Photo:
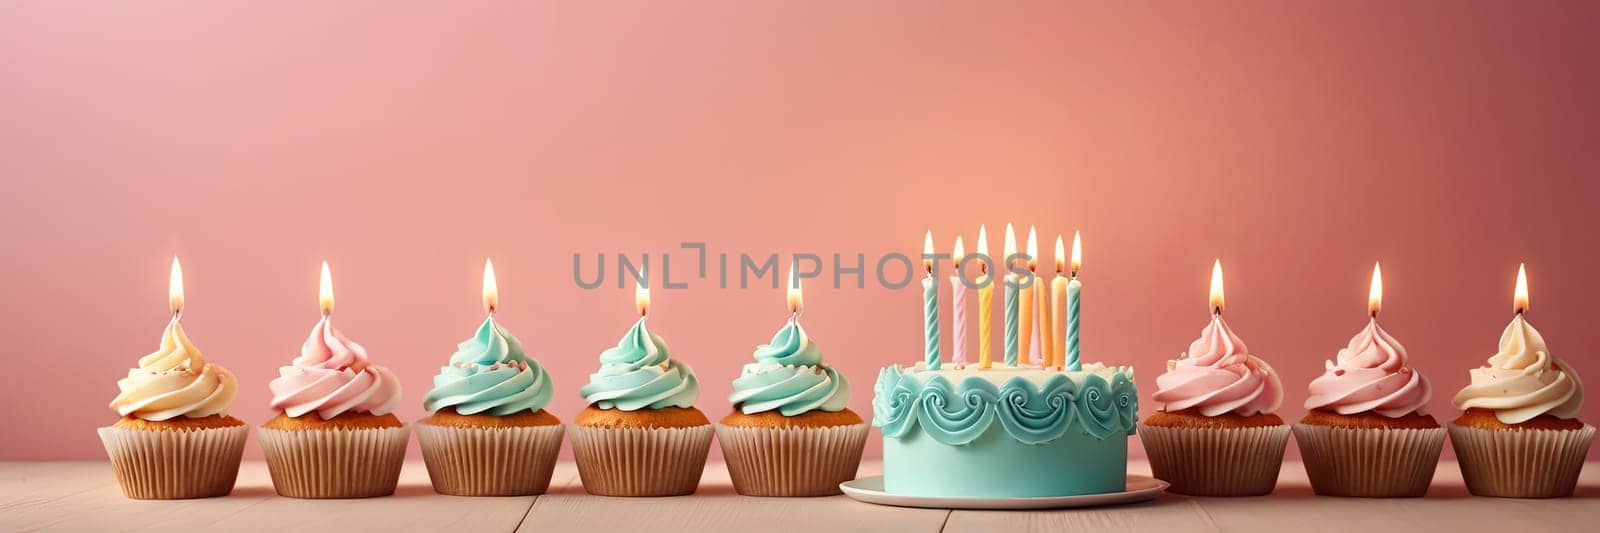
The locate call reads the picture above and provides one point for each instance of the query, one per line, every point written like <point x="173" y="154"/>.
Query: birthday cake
<point x="1005" y="432"/>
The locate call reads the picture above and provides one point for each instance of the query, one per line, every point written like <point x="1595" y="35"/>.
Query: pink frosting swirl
<point x="1371" y="375"/>
<point x="332" y="376"/>
<point x="1218" y="375"/>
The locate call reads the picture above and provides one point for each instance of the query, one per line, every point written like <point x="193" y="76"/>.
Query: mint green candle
<point x="1011" y="319"/>
<point x="1073" y="290"/>
<point x="930" y="322"/>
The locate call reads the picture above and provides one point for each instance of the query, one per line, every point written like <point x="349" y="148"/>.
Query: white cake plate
<point x="870" y="489"/>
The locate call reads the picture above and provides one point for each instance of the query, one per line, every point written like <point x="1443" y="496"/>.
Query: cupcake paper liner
<point x="1521" y="463"/>
<point x="1216" y="462"/>
<point x="1369" y="463"/>
<point x="490" y="461"/>
<point x="334" y="463"/>
<point x="640" y="461"/>
<point x="171" y="465"/>
<point x="802" y="461"/>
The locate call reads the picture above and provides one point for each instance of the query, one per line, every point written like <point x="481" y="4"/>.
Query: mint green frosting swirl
<point x="958" y="413"/>
<point x="490" y="374"/>
<point x="1037" y="416"/>
<point x="1096" y="408"/>
<point x="956" y="417"/>
<point x="639" y="373"/>
<point x="1127" y="398"/>
<point x="789" y="376"/>
<point x="894" y="402"/>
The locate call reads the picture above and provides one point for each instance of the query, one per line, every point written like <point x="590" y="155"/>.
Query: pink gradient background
<point x="1298" y="142"/>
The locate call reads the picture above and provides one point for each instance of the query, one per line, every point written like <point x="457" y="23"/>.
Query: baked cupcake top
<point x="788" y="376"/>
<point x="1218" y="375"/>
<point x="1522" y="380"/>
<point x="1371" y="374"/>
<point x="332" y="376"/>
<point x="175" y="381"/>
<point x="639" y="373"/>
<point x="490" y="374"/>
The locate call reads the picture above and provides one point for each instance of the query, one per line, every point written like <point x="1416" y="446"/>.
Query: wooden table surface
<point x="82" y="496"/>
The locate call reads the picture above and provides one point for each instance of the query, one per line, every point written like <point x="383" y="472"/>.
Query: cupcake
<point x="1214" y="433"/>
<point x="791" y="433"/>
<point x="1366" y="433"/>
<point x="335" y="435"/>
<point x="1519" y="436"/>
<point x="175" y="439"/>
<point x="489" y="434"/>
<point x="640" y="434"/>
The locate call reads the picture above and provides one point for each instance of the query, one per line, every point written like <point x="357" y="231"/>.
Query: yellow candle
<point x="985" y="301"/>
<point x="1025" y="301"/>
<point x="985" y="306"/>
<point x="1058" y="306"/>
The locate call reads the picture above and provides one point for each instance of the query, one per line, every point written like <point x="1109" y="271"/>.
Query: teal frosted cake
<point x="1011" y="432"/>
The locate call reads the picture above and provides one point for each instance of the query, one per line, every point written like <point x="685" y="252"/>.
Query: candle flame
<point x="1216" y="288"/>
<point x="927" y="251"/>
<point x="1033" y="248"/>
<point x="796" y="302"/>
<point x="960" y="252"/>
<point x="1375" y="296"/>
<point x="491" y="289"/>
<point x="1077" y="253"/>
<point x="1520" y="298"/>
<point x="175" y="287"/>
<point x="1061" y="256"/>
<point x="1010" y="245"/>
<point x="641" y="298"/>
<point x="983" y="248"/>
<point x="325" y="291"/>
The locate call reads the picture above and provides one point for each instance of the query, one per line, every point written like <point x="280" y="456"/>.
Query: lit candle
<point x="1058" y="309"/>
<point x="1012" y="280"/>
<point x="958" y="308"/>
<point x="325" y="291"/>
<point x="1519" y="299"/>
<point x="1375" y="294"/>
<point x="491" y="290"/>
<point x="796" y="303"/>
<point x="641" y="298"/>
<point x="1074" y="293"/>
<point x="1025" y="308"/>
<point x="985" y="300"/>
<point x="1217" y="304"/>
<point x="175" y="289"/>
<point x="930" y="306"/>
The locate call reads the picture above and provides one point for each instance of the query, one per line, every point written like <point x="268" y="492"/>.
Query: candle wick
<point x="1216" y="311"/>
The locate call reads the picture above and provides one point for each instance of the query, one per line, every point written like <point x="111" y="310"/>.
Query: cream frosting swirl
<point x="332" y="376"/>
<point x="1371" y="374"/>
<point x="789" y="376"/>
<point x="640" y="373"/>
<point x="1218" y="375"/>
<point x="174" y="381"/>
<point x="1522" y="380"/>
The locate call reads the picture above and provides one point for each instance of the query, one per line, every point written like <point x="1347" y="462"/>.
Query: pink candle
<point x="958" y="309"/>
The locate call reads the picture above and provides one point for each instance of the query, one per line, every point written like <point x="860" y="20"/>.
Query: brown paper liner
<point x="1216" y="461"/>
<point x="1369" y="462"/>
<point x="1521" y="463"/>
<point x="640" y="461"/>
<point x="334" y="463"/>
<point x="171" y="465"/>
<point x="490" y="461"/>
<point x="798" y="461"/>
